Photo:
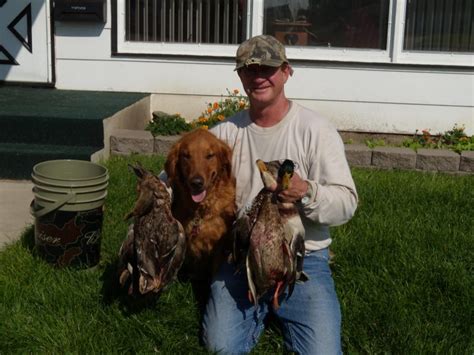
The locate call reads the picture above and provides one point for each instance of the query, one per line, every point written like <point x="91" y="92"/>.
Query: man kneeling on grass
<point x="275" y="128"/>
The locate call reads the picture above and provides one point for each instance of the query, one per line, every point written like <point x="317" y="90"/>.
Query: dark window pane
<point x="328" y="23"/>
<point x="439" y="25"/>
<point x="189" y="21"/>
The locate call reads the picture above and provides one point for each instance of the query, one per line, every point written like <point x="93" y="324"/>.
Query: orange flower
<point x="202" y="119"/>
<point x="215" y="106"/>
<point x="209" y="110"/>
<point x="221" y="117"/>
<point x="236" y="91"/>
<point x="204" y="127"/>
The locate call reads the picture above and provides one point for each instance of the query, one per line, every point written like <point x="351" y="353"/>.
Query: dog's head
<point x="196" y="163"/>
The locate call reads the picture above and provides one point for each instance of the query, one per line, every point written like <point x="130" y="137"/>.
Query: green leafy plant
<point x="163" y="124"/>
<point x="219" y="111"/>
<point x="166" y="125"/>
<point x="455" y="139"/>
<point x="372" y="143"/>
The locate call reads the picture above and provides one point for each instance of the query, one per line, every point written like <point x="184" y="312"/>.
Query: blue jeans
<point x="310" y="318"/>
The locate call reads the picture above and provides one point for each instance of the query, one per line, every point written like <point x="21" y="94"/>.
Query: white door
<point x="25" y="41"/>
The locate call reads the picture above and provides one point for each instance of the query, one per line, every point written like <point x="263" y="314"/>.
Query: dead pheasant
<point x="271" y="236"/>
<point x="154" y="249"/>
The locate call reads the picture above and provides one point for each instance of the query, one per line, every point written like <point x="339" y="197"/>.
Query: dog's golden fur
<point x="200" y="164"/>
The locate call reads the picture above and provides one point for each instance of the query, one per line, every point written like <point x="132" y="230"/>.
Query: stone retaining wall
<point x="125" y="142"/>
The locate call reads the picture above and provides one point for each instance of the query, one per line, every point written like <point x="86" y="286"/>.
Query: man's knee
<point x="219" y="342"/>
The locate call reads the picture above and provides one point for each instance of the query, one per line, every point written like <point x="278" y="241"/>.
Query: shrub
<point x="455" y="139"/>
<point x="166" y="125"/>
<point x="163" y="124"/>
<point x="372" y="143"/>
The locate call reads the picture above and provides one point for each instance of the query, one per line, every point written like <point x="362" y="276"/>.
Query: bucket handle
<point x="45" y="210"/>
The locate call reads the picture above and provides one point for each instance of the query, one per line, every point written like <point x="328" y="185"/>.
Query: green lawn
<point x="403" y="272"/>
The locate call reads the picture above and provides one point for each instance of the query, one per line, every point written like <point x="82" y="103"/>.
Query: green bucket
<point x="68" y="208"/>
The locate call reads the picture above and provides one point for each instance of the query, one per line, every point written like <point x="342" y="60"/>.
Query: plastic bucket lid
<point x="69" y="172"/>
<point x="68" y="185"/>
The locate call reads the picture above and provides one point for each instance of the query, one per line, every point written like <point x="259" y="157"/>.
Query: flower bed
<point x="454" y="139"/>
<point x="451" y="151"/>
<point x="125" y="142"/>
<point x="163" y="124"/>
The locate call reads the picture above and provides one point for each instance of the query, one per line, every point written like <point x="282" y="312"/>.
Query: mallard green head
<point x="285" y="172"/>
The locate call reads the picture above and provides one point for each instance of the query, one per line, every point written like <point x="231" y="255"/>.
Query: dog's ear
<point x="225" y="155"/>
<point x="171" y="163"/>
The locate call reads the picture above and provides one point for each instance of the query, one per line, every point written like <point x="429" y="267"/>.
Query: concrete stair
<point x="39" y="124"/>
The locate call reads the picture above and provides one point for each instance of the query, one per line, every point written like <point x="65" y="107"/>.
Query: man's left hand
<point x="295" y="192"/>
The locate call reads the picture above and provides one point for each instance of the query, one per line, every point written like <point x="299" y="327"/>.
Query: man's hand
<point x="295" y="192"/>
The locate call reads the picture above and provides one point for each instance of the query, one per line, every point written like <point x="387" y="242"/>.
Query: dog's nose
<point x="197" y="183"/>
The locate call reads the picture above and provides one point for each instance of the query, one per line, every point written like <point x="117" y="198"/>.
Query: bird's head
<point x="285" y="172"/>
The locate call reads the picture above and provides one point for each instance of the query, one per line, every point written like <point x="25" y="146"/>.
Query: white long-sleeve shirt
<point x="314" y="144"/>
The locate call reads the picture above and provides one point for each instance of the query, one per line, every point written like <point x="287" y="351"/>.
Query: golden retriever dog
<point x="199" y="171"/>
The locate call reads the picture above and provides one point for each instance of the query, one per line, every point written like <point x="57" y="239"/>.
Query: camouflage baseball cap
<point x="262" y="50"/>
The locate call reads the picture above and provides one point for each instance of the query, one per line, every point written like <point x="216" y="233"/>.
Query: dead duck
<point x="154" y="249"/>
<point x="270" y="237"/>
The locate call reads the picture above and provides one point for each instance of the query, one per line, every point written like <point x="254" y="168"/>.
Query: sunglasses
<point x="258" y="70"/>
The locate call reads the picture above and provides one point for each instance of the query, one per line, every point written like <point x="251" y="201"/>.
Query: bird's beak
<point x="261" y="166"/>
<point x="268" y="180"/>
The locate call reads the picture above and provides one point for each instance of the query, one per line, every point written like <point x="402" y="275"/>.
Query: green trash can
<point x="68" y="208"/>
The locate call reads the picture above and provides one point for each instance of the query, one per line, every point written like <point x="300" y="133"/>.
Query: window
<point x="182" y="27"/>
<point x="188" y="21"/>
<point x="323" y="23"/>
<point x="439" y="32"/>
<point x="439" y="26"/>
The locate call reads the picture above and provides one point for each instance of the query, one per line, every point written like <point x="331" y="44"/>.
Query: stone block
<point x="358" y="155"/>
<point x="437" y="160"/>
<point x="393" y="157"/>
<point x="467" y="161"/>
<point x="127" y="141"/>
<point x="163" y="144"/>
<point x="122" y="154"/>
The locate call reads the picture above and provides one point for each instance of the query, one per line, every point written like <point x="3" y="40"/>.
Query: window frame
<point x="393" y="54"/>
<point x="401" y="56"/>
<point x="166" y="48"/>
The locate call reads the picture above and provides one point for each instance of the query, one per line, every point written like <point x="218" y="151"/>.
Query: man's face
<point x="264" y="84"/>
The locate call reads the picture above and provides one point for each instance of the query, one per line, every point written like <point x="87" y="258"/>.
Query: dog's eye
<point x="210" y="155"/>
<point x="185" y="156"/>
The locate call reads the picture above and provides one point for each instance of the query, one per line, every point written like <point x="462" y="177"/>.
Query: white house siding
<point x="357" y="97"/>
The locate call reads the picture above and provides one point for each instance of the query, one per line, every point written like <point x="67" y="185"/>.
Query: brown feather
<point x="155" y="247"/>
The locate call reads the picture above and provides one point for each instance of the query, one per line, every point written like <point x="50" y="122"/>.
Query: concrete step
<point x="17" y="159"/>
<point x="47" y="130"/>
<point x="39" y="124"/>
